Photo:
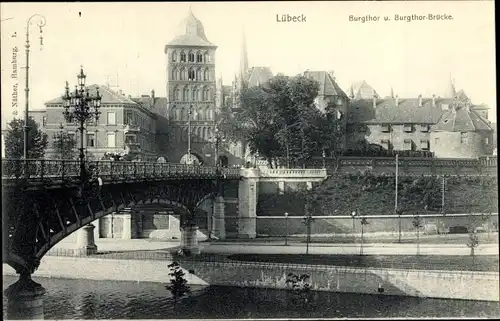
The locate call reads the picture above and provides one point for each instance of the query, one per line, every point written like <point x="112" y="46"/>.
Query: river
<point x="86" y="299"/>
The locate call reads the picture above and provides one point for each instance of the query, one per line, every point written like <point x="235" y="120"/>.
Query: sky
<point x="123" y="43"/>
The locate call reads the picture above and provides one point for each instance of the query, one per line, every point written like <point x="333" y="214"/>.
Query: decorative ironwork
<point x="111" y="171"/>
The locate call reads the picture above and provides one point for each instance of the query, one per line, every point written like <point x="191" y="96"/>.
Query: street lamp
<point x="41" y="22"/>
<point x="286" y="228"/>
<point x="323" y="155"/>
<point x="353" y="215"/>
<point x="80" y="106"/>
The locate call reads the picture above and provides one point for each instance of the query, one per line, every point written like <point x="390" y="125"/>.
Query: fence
<point x="108" y="170"/>
<point x="339" y="262"/>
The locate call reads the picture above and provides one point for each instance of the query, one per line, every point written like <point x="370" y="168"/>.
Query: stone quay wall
<point x="465" y="285"/>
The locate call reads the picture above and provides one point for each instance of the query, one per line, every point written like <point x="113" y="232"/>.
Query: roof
<point x="109" y="96"/>
<point x="190" y="32"/>
<point x="257" y="76"/>
<point x="327" y="84"/>
<point x="406" y="111"/>
<point x="158" y="106"/>
<point x="361" y="90"/>
<point x="462" y="119"/>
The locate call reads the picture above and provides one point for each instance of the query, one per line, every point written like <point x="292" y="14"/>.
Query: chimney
<point x="374" y="101"/>
<point x="433" y="100"/>
<point x="419" y="100"/>
<point x="397" y="100"/>
<point x="153" y="94"/>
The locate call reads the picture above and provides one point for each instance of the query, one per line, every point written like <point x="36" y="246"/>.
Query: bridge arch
<point x="60" y="212"/>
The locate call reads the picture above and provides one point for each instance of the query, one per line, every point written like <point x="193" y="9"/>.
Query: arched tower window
<point x="191" y="56"/>
<point x="208" y="113"/>
<point x="196" y="94"/>
<point x="206" y="57"/>
<point x="183" y="56"/>
<point x="176" y="94"/>
<point x="205" y="75"/>
<point x="206" y="93"/>
<point x="204" y="133"/>
<point x="191" y="74"/>
<point x="182" y="74"/>
<point x="177" y="76"/>
<point x="185" y="94"/>
<point x="173" y="113"/>
<point x="194" y="97"/>
<point x="178" y="113"/>
<point x="184" y="114"/>
<point x="198" y="74"/>
<point x="174" y="56"/>
<point x="199" y="57"/>
<point x="174" y="74"/>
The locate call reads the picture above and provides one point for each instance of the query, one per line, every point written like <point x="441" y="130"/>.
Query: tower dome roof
<point x="190" y="32"/>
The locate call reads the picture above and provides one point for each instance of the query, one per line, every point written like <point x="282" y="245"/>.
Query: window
<point x="191" y="57"/>
<point x="206" y="57"/>
<point x="111" y="118"/>
<point x="191" y="74"/>
<point x="205" y="75"/>
<point x="174" y="56"/>
<point x="174" y="74"/>
<point x="194" y="96"/>
<point x="183" y="56"/>
<point x="91" y="140"/>
<point x="44" y="121"/>
<point x="176" y="94"/>
<point x="463" y="138"/>
<point x="424" y="144"/>
<point x="128" y="118"/>
<point x="205" y="94"/>
<point x="199" y="57"/>
<point x="408" y="128"/>
<point x="486" y="140"/>
<point x="183" y="74"/>
<point x="385" y="143"/>
<point x="185" y="94"/>
<point x="111" y="142"/>
<point x="424" y="128"/>
<point x="198" y="74"/>
<point x="408" y="144"/>
<point x="130" y="139"/>
<point x="436" y="141"/>
<point x="385" y="128"/>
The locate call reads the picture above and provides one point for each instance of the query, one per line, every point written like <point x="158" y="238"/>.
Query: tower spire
<point x="450" y="91"/>
<point x="392" y="92"/>
<point x="351" y="92"/>
<point x="244" y="55"/>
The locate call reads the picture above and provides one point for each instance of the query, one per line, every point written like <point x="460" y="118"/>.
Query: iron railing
<point x="110" y="170"/>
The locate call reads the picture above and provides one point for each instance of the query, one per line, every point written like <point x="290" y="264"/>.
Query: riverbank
<point x="466" y="285"/>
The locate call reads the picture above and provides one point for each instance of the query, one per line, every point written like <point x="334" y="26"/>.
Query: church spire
<point x="450" y="91"/>
<point x="244" y="55"/>
<point x="351" y="92"/>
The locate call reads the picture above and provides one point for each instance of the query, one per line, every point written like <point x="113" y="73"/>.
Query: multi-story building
<point x="124" y="127"/>
<point x="414" y="124"/>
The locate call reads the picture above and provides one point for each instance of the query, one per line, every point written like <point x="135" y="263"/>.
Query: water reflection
<point x="85" y="299"/>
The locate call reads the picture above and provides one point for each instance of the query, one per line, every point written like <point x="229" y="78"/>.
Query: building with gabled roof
<point x="124" y="127"/>
<point x="395" y="123"/>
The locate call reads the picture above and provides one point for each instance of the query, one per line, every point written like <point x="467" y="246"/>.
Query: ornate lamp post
<point x="286" y="228"/>
<point x="79" y="105"/>
<point x="40" y="21"/>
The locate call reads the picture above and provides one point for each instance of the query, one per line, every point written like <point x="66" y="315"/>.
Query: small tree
<point x="473" y="242"/>
<point x="300" y="286"/>
<point x="14" y="140"/>
<point x="417" y="224"/>
<point x="64" y="145"/>
<point x="364" y="222"/>
<point x="178" y="284"/>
